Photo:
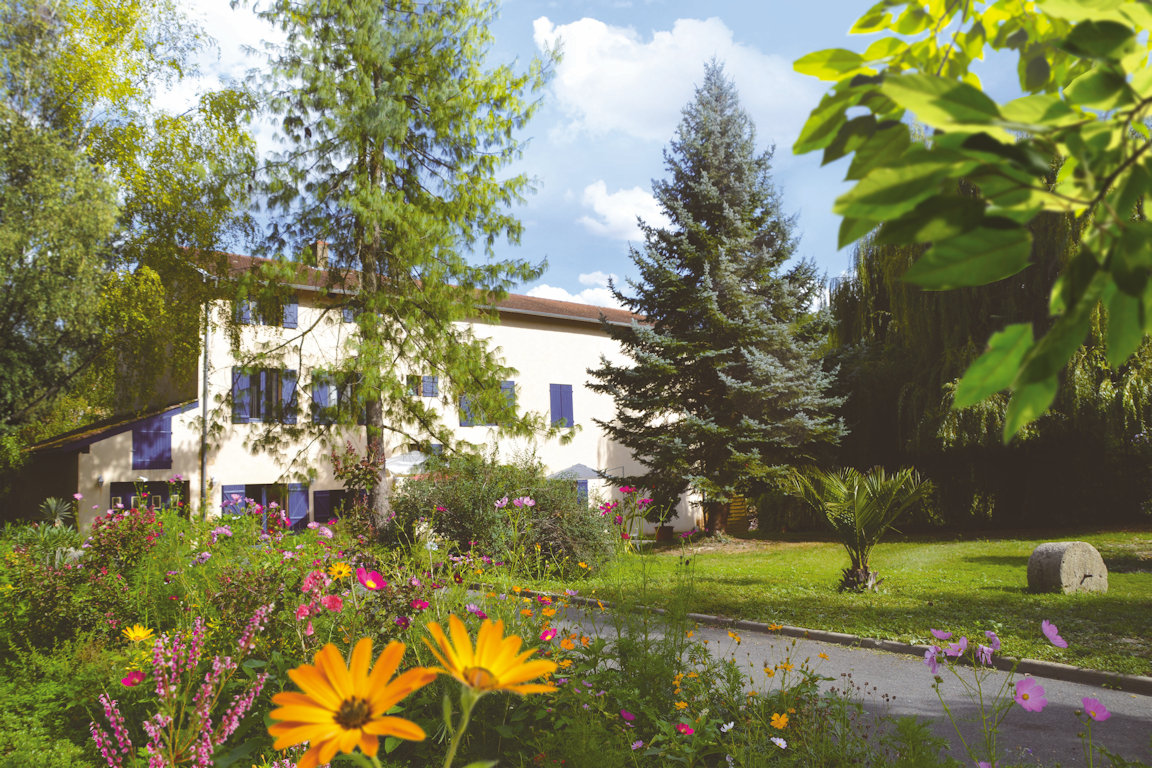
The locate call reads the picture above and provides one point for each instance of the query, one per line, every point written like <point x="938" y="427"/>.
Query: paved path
<point x="1049" y="737"/>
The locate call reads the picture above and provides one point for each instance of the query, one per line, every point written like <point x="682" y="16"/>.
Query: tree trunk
<point x="716" y="516"/>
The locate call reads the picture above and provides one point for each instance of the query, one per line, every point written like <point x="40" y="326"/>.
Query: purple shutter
<point x="321" y="399"/>
<point x="428" y="386"/>
<point x="241" y="396"/>
<point x="152" y="443"/>
<point x="297" y="504"/>
<point x="288" y="404"/>
<point x="566" y="405"/>
<point x="466" y="418"/>
<point x="291" y="313"/>
<point x="232" y="499"/>
<point x="556" y="402"/>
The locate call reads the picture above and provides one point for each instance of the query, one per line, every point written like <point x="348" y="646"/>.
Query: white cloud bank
<point x="615" y="212"/>
<point x="596" y="293"/>
<point x="613" y="81"/>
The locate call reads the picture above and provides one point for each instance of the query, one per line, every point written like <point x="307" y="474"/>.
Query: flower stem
<point x="468" y="700"/>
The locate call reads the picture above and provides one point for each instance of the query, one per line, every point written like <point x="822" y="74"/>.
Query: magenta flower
<point x="627" y="489"/>
<point x="547" y="635"/>
<point x="957" y="649"/>
<point x="625" y="536"/>
<point x="419" y="605"/>
<point x="332" y="603"/>
<point x="136" y="677"/>
<point x="1095" y="710"/>
<point x="1030" y="696"/>
<point x="932" y="658"/>
<point x="685" y="729"/>
<point x="77" y="496"/>
<point x="403" y="622"/>
<point x="940" y="634"/>
<point x="370" y="579"/>
<point x="627" y="715"/>
<point x="302" y="612"/>
<point x="1053" y="634"/>
<point x="644" y="502"/>
<point x="994" y="640"/>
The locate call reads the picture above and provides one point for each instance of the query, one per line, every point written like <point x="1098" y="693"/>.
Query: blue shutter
<point x="241" y="396"/>
<point x="152" y="443"/>
<point x="582" y="492"/>
<point x="244" y="312"/>
<point x="297" y="503"/>
<point x="556" y="403"/>
<point x="566" y="405"/>
<point x="466" y="418"/>
<point x="428" y="386"/>
<point x="288" y="404"/>
<point x="321" y="399"/>
<point x="228" y="504"/>
<point x="348" y="314"/>
<point x="291" y="312"/>
<point x="509" y="390"/>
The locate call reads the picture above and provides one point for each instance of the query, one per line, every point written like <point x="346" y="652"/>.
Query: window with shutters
<point x="470" y="418"/>
<point x="152" y="443"/>
<point x="247" y="313"/>
<point x="263" y="395"/>
<point x="423" y="386"/>
<point x="335" y="398"/>
<point x="291" y="499"/>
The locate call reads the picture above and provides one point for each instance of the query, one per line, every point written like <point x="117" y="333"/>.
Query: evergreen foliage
<point x="398" y="132"/>
<point x="725" y="387"/>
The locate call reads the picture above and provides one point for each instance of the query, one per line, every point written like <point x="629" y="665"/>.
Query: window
<point x="334" y="398"/>
<point x="423" y="386"/>
<point x="561" y="400"/>
<point x="469" y="418"/>
<point x="248" y="314"/>
<point x="151" y="494"/>
<point x="263" y="394"/>
<point x="290" y="497"/>
<point x="348" y="314"/>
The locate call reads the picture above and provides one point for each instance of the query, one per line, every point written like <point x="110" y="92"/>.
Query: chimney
<point x="320" y="250"/>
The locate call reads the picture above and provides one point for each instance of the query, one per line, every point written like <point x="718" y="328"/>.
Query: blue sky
<point x="596" y="143"/>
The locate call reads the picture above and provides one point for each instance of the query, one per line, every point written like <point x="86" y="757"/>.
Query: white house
<point x="195" y="447"/>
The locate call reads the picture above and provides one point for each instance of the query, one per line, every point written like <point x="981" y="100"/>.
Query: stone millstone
<point x="1067" y="566"/>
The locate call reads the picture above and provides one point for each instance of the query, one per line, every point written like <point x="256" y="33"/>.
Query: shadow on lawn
<point x="1018" y="560"/>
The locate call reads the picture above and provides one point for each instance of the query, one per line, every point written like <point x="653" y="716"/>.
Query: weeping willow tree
<point x="900" y="351"/>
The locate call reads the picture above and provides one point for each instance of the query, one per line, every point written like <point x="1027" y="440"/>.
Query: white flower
<point x="727" y="727"/>
<point x="779" y="742"/>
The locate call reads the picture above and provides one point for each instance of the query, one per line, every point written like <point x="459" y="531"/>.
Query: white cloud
<point x="597" y="293"/>
<point x="616" y="212"/>
<point x="611" y="80"/>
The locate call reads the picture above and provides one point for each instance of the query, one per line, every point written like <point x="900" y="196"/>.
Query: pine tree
<point x="726" y="388"/>
<point x="398" y="132"/>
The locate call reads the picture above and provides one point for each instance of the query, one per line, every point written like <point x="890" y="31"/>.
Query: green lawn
<point x="964" y="586"/>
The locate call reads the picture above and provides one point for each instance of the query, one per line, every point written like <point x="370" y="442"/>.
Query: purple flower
<point x="984" y="654"/>
<point x="1095" y="710"/>
<point x="1053" y="634"/>
<point x="994" y="640"/>
<point x="1030" y="696"/>
<point x="77" y="496"/>
<point x="502" y="503"/>
<point x="637" y="745"/>
<point x="932" y="658"/>
<point x="940" y="634"/>
<point x="570" y="592"/>
<point x="957" y="649"/>
<point x="403" y="622"/>
<point x="630" y="717"/>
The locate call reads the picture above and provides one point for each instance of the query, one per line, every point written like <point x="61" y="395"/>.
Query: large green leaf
<point x="885" y="145"/>
<point x="1028" y="403"/>
<point x="852" y="230"/>
<point x="1050" y="354"/>
<point x="832" y="64"/>
<point x="825" y="121"/>
<point x="938" y="218"/>
<point x="996" y="369"/>
<point x="851" y="136"/>
<point x="1126" y="323"/>
<point x="1100" y="40"/>
<point x="1037" y="112"/>
<point x="940" y="101"/>
<point x="1099" y="89"/>
<point x="979" y="256"/>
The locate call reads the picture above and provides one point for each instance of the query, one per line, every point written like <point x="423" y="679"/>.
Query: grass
<point x="966" y="586"/>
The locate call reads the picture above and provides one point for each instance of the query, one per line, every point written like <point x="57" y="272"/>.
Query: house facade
<point x="202" y="446"/>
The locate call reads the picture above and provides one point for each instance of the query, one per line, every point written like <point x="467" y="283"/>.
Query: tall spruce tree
<point x="398" y="132"/>
<point x="725" y="388"/>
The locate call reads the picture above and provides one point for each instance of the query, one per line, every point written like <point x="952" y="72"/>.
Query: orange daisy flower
<point x="495" y="664"/>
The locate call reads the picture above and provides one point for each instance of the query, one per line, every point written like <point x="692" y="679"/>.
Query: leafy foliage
<point x="1084" y="68"/>
<point x="723" y="387"/>
<point x="860" y="508"/>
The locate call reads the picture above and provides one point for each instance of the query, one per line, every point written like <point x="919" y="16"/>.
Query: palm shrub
<point x="860" y="508"/>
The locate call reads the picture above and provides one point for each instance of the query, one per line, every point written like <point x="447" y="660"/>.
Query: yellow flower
<point x="582" y="564"/>
<point x="343" y="707"/>
<point x="769" y="671"/>
<point x="775" y="627"/>
<point x="496" y="663"/>
<point x="681" y="705"/>
<point x="786" y="666"/>
<point x="339" y="570"/>
<point x="585" y="641"/>
<point x="548" y="611"/>
<point x="779" y="721"/>
<point x="526" y="612"/>
<point x="137" y="633"/>
<point x="564" y="663"/>
<point x="567" y="644"/>
<point x="516" y="590"/>
<point x="823" y="656"/>
<point x="689" y="633"/>
<point x="734" y="636"/>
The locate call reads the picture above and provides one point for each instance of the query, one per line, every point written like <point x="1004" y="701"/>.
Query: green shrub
<point x="477" y="503"/>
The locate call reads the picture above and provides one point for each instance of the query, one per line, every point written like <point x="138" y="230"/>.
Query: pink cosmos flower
<point x="957" y="649"/>
<point x="1053" y="634"/>
<point x="403" y="622"/>
<point x="637" y="744"/>
<point x="627" y="489"/>
<point x="370" y="579"/>
<point x="77" y="496"/>
<point x="1030" y="696"/>
<point x="940" y="634"/>
<point x="932" y="658"/>
<point x="547" y="635"/>
<point x="571" y="592"/>
<point x="625" y="536"/>
<point x="135" y="677"/>
<point x="985" y="764"/>
<point x="685" y="729"/>
<point x="502" y="503"/>
<point x="419" y="604"/>
<point x="308" y="630"/>
<point x="984" y="654"/>
<point x="474" y="609"/>
<point x="644" y="502"/>
<point x="332" y="603"/>
<point x="441" y="509"/>
<point x="627" y="715"/>
<point x="994" y="640"/>
<point x="1095" y="710"/>
<point x="618" y="520"/>
<point x="302" y="613"/>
